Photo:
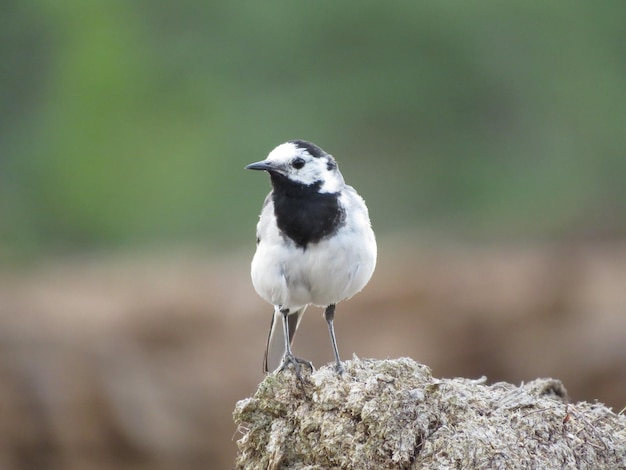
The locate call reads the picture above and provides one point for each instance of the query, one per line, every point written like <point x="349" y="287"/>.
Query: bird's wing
<point x="267" y="200"/>
<point x="261" y="225"/>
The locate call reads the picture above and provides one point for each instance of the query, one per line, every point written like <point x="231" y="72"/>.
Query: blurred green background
<point x="125" y="127"/>
<point x="128" y="123"/>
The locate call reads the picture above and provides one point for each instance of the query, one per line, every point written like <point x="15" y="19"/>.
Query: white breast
<point x="324" y="273"/>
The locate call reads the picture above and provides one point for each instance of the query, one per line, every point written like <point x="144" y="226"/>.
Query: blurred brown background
<point x="488" y="141"/>
<point x="137" y="363"/>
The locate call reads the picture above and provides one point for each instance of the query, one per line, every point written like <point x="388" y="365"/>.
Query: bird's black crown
<point x="310" y="147"/>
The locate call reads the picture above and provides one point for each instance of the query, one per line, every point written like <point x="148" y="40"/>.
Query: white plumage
<point x="327" y="272"/>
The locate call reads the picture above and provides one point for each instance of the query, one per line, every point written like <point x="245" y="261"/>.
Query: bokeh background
<point x="488" y="140"/>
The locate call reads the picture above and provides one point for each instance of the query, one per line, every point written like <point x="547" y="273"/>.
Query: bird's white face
<point x="296" y="162"/>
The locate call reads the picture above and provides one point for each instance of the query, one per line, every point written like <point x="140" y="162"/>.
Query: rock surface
<point x="394" y="414"/>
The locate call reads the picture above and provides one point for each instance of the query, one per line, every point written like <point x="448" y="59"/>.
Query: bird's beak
<point x="264" y="165"/>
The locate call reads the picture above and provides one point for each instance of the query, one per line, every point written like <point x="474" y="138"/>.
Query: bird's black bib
<point x="303" y="214"/>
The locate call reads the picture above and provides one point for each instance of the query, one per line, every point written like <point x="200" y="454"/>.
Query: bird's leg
<point x="289" y="358"/>
<point x="329" y="314"/>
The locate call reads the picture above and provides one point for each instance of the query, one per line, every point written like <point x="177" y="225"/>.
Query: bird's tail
<point x="275" y="342"/>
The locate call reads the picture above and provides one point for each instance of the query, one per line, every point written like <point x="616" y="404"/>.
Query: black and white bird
<point x="315" y="243"/>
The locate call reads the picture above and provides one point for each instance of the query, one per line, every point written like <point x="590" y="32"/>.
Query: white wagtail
<point x="315" y="243"/>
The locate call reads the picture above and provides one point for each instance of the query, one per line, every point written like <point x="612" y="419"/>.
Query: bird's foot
<point x="339" y="368"/>
<point x="295" y="362"/>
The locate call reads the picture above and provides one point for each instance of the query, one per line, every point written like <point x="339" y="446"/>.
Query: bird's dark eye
<point x="297" y="163"/>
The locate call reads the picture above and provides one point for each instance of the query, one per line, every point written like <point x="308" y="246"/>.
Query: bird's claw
<point x="296" y="362"/>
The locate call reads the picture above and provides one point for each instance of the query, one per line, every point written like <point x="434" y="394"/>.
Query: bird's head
<point x="304" y="163"/>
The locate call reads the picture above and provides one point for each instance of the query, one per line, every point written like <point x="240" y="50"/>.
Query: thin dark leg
<point x="329" y="314"/>
<point x="289" y="358"/>
<point x="285" y="313"/>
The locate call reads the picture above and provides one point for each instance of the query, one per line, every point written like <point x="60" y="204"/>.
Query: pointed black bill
<point x="264" y="165"/>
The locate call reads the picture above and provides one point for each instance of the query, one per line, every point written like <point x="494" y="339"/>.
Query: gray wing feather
<point x="267" y="200"/>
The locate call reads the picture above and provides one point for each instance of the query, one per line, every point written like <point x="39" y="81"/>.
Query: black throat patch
<point x="303" y="213"/>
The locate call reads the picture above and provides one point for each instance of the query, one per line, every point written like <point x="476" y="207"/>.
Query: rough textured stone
<point x="393" y="414"/>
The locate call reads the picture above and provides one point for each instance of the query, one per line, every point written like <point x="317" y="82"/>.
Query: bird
<point x="314" y="242"/>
